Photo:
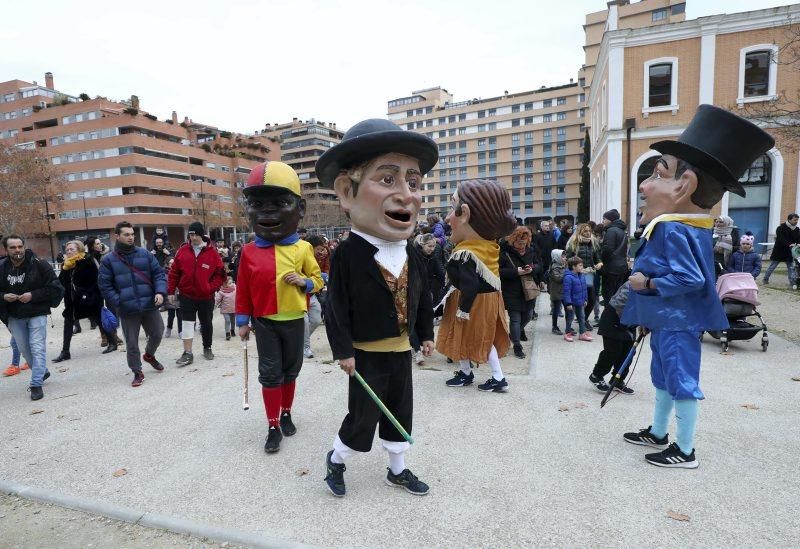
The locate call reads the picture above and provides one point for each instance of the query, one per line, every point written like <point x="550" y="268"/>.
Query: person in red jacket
<point x="197" y="273"/>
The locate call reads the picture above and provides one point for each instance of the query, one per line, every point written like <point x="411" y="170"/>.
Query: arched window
<point x="751" y="213"/>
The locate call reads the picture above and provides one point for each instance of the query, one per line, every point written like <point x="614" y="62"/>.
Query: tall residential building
<point x="122" y="163"/>
<point x="302" y="143"/>
<point x="531" y="142"/>
<point x="648" y="83"/>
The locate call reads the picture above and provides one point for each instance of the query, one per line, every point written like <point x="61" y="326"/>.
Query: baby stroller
<point x="739" y="295"/>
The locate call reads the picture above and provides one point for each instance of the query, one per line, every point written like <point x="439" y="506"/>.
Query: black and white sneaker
<point x="673" y="458"/>
<point x="622" y="388"/>
<point x="334" y="479"/>
<point x="493" y="385"/>
<point x="407" y="480"/>
<point x="460" y="379"/>
<point x="646" y="438"/>
<point x="599" y="383"/>
<point x="287" y="426"/>
<point x="274" y="438"/>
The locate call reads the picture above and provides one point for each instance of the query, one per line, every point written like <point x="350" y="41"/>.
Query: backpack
<point x="55" y="300"/>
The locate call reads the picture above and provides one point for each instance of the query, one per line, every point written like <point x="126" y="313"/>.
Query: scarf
<point x="124" y="248"/>
<point x="69" y="262"/>
<point x="264" y="243"/>
<point x="486" y="254"/>
<point x="702" y="221"/>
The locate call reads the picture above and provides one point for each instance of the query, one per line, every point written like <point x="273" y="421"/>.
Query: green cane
<point x="383" y="407"/>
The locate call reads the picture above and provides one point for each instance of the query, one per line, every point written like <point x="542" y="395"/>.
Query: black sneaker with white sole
<point x="274" y="438"/>
<point x="494" y="385"/>
<point x="407" y="480"/>
<point x="598" y="382"/>
<point x="645" y="438"/>
<point x="334" y="479"/>
<point x="460" y="379"/>
<point x="673" y="458"/>
<point x="622" y="388"/>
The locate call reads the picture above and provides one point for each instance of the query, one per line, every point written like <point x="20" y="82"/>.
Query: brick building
<point x="649" y="81"/>
<point x="122" y="163"/>
<point x="531" y="142"/>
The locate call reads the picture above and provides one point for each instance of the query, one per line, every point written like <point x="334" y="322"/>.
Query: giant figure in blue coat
<point x="673" y="274"/>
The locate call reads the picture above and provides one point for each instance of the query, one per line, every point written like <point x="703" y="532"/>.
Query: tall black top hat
<point x="371" y="138"/>
<point x="720" y="143"/>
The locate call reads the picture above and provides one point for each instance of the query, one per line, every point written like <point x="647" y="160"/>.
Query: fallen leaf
<point x="796" y="378"/>
<point x="119" y="473"/>
<point x="303" y="471"/>
<point x="749" y="406"/>
<point x="563" y="407"/>
<point x="36" y="411"/>
<point x="227" y="374"/>
<point x="580" y="405"/>
<point x="677" y="516"/>
<point x="326" y="362"/>
<point x="62" y="370"/>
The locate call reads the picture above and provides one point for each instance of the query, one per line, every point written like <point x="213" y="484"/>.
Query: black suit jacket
<point x="360" y="304"/>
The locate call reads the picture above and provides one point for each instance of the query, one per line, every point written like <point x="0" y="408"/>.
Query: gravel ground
<point x="540" y="465"/>
<point x="28" y="524"/>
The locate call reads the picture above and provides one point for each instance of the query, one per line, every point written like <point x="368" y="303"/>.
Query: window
<point x="529" y="150"/>
<point x="528" y="136"/>
<point x="547" y="176"/>
<point x="514" y="108"/>
<point x="561" y="116"/>
<point x="678" y="9"/>
<point x="442" y="120"/>
<point x="481" y="114"/>
<point x="515" y="152"/>
<point x="547" y="118"/>
<point x="515" y="122"/>
<point x="528" y="179"/>
<point x="462" y="145"/>
<point x="492" y="126"/>
<point x="528" y="106"/>
<point x="481" y="156"/>
<point x="660" y="85"/>
<point x="547" y="204"/>
<point x="492" y="141"/>
<point x="659" y="15"/>
<point x="482" y="142"/>
<point x="515" y="165"/>
<point x="429" y="122"/>
<point x="462" y="116"/>
<point x="442" y="147"/>
<point x="561" y="147"/>
<point x="529" y="164"/>
<point x="528" y="120"/>
<point x="492" y="112"/>
<point x="442" y="133"/>
<point x="547" y="165"/>
<point x="451" y="146"/>
<point x="462" y="131"/>
<point x="757" y="73"/>
<point x="492" y="155"/>
<point x="451" y="133"/>
<point x="547" y="147"/>
<point x="547" y="103"/>
<point x="515" y="138"/>
<point x="451" y="119"/>
<point x="515" y="180"/>
<point x="481" y="127"/>
<point x="561" y="100"/>
<point x="481" y="170"/>
<point x="581" y="97"/>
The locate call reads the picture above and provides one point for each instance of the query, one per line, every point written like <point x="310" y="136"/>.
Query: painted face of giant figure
<point x="274" y="213"/>
<point x="382" y="197"/>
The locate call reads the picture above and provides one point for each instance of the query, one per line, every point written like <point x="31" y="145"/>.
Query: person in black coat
<point x="614" y="254"/>
<point x="786" y="237"/>
<point x="545" y="242"/>
<point x="517" y="260"/>
<point x="566" y="234"/>
<point x="82" y="298"/>
<point x="432" y="258"/>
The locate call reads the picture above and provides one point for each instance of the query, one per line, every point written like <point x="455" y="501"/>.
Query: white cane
<point x="246" y="404"/>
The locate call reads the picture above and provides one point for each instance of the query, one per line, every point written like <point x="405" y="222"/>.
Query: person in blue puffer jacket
<point x="745" y="260"/>
<point x="575" y="297"/>
<point x="135" y="286"/>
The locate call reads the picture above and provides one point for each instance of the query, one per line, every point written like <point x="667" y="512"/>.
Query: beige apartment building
<point x="122" y="163"/>
<point x="302" y="143"/>
<point x="531" y="142"/>
<point x="648" y="82"/>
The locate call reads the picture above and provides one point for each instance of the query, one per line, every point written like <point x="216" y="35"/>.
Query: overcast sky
<point x="238" y="64"/>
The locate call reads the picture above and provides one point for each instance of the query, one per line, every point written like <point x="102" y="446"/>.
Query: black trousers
<point x="200" y="310"/>
<point x="280" y="350"/>
<point x="67" y="333"/>
<point x="612" y="356"/>
<point x="612" y="283"/>
<point x="389" y="375"/>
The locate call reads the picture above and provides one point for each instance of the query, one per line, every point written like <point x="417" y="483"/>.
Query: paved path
<point x="540" y="465"/>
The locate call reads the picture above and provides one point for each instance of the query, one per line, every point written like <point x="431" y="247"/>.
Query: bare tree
<point x="30" y="189"/>
<point x="783" y="112"/>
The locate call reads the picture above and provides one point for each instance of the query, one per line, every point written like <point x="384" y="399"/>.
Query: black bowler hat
<point x="720" y="143"/>
<point x="371" y="138"/>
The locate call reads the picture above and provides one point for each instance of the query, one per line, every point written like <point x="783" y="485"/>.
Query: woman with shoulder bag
<point x="584" y="244"/>
<point x="82" y="298"/>
<point x="520" y="276"/>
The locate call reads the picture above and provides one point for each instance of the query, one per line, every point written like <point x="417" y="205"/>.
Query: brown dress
<point x="473" y="339"/>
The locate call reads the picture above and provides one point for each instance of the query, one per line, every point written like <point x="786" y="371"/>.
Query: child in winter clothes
<point x="173" y="309"/>
<point x="617" y="342"/>
<point x="226" y="301"/>
<point x="558" y="262"/>
<point x="745" y="260"/>
<point x="575" y="298"/>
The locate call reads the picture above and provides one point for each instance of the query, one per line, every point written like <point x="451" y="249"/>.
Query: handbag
<point x="530" y="289"/>
<point x="108" y="320"/>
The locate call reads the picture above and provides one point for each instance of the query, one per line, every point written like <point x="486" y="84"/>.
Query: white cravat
<point x="392" y="255"/>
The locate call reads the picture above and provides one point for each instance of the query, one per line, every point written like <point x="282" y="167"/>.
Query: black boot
<point x="110" y="348"/>
<point x="64" y="355"/>
<point x="76" y="327"/>
<point x="92" y="325"/>
<point x="518" y="351"/>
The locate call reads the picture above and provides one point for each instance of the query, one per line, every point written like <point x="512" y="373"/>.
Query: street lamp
<point x="49" y="230"/>
<point x="85" y="213"/>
